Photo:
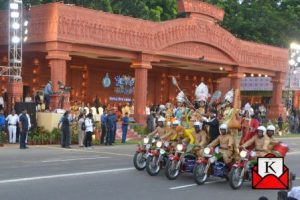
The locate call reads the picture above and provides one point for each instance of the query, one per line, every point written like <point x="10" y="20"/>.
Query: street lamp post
<point x="294" y="65"/>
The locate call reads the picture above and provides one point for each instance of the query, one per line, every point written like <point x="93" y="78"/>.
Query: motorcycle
<point x="179" y="162"/>
<point x="209" y="165"/>
<point x="242" y="170"/>
<point x="157" y="158"/>
<point x="141" y="154"/>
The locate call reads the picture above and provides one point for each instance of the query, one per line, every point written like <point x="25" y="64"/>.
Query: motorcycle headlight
<point x="179" y="147"/>
<point x="153" y="140"/>
<point x="207" y="151"/>
<point x="217" y="150"/>
<point x="253" y="154"/>
<point x="158" y="144"/>
<point x="167" y="144"/>
<point x="243" y="154"/>
<point x="146" y="140"/>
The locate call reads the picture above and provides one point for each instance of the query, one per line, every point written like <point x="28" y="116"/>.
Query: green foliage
<point x="141" y="130"/>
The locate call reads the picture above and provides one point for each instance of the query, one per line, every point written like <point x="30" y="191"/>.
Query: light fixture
<point x="294" y="72"/>
<point x="295" y="46"/>
<point x="266" y="75"/>
<point x="25" y="39"/>
<point x="292" y="62"/>
<point x="15" y="39"/>
<point x="16" y="25"/>
<point x="26" y="23"/>
<point x="14" y="14"/>
<point x="259" y="75"/>
<point x="252" y="75"/>
<point x="221" y="68"/>
<point x="244" y="75"/>
<point x="14" y="6"/>
<point x="26" y="31"/>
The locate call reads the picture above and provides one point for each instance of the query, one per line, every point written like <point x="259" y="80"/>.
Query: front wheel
<point x="139" y="161"/>
<point x="152" y="166"/>
<point x="172" y="170"/>
<point x="200" y="176"/>
<point x="236" y="179"/>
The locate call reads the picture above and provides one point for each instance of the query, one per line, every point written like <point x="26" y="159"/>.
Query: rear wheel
<point x="151" y="166"/>
<point x="235" y="179"/>
<point x="199" y="173"/>
<point x="172" y="171"/>
<point x="139" y="161"/>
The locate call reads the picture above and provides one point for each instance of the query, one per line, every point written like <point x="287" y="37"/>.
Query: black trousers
<point x="22" y="139"/>
<point x="88" y="139"/>
<point x="65" y="137"/>
<point x="103" y="133"/>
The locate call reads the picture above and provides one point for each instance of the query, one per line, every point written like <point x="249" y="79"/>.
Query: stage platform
<point x="48" y="120"/>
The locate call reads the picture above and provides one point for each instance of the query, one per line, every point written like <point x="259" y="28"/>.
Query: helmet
<point x="168" y="123"/>
<point x="271" y="128"/>
<point x="176" y="122"/>
<point x="198" y="124"/>
<point x="161" y="119"/>
<point x="223" y="127"/>
<point x="263" y="129"/>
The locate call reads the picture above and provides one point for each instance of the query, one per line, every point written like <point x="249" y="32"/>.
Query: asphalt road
<point x="49" y="172"/>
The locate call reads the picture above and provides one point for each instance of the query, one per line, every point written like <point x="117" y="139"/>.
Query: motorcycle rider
<point x="201" y="139"/>
<point x="270" y="132"/>
<point x="226" y="142"/>
<point x="260" y="140"/>
<point x="160" y="129"/>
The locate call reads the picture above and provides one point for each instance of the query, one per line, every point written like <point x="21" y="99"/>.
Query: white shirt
<point x="147" y="111"/>
<point x="100" y="110"/>
<point x="88" y="125"/>
<point x="2" y="101"/>
<point x="12" y="119"/>
<point x="87" y="110"/>
<point x="94" y="111"/>
<point x="295" y="192"/>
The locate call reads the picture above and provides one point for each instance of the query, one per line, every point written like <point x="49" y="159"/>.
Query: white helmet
<point x="224" y="126"/>
<point x="168" y="123"/>
<point x="176" y="122"/>
<point x="198" y="124"/>
<point x="271" y="128"/>
<point x="263" y="129"/>
<point x="161" y="119"/>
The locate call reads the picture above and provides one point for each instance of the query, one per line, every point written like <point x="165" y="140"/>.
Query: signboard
<point x="120" y="99"/>
<point x="256" y="84"/>
<point x="293" y="80"/>
<point x="124" y="84"/>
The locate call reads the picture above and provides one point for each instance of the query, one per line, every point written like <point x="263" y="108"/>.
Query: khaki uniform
<point x="161" y="131"/>
<point x="201" y="140"/>
<point x="261" y="145"/>
<point x="271" y="144"/>
<point x="226" y="146"/>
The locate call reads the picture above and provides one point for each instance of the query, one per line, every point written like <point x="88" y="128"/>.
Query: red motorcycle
<point x="141" y="154"/>
<point x="242" y="170"/>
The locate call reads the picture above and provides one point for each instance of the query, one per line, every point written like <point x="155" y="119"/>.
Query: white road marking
<point x="293" y="153"/>
<point x="297" y="178"/>
<point x="89" y="151"/>
<point x="64" y="175"/>
<point x="73" y="159"/>
<point x="191" y="185"/>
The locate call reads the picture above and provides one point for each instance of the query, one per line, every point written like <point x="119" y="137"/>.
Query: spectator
<point x="47" y="93"/>
<point x="89" y="129"/>
<point x="103" y="127"/>
<point x="81" y="133"/>
<point x="2" y="121"/>
<point x="150" y="122"/>
<point x="110" y="127"/>
<point x="296" y="125"/>
<point x="12" y="121"/>
<point x="115" y="126"/>
<point x="1" y="102"/>
<point x="294" y="193"/>
<point x="280" y="122"/>
<point x="97" y="104"/>
<point x="24" y="127"/>
<point x="64" y="125"/>
<point x="37" y="98"/>
<point x="125" y="122"/>
<point x="291" y="122"/>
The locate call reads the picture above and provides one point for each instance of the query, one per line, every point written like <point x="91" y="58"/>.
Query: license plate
<point x="162" y="151"/>
<point x="148" y="146"/>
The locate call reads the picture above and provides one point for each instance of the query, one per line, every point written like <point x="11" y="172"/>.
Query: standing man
<point x="115" y="119"/>
<point x="110" y="128"/>
<point x="2" y="123"/>
<point x="12" y="121"/>
<point x="24" y="126"/>
<point x="280" y="122"/>
<point x="64" y="125"/>
<point x="213" y="124"/>
<point x="47" y="93"/>
<point x="150" y="122"/>
<point x="88" y="131"/>
<point x="103" y="127"/>
<point x="97" y="104"/>
<point x="125" y="122"/>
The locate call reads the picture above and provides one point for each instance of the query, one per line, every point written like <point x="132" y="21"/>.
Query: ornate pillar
<point x="14" y="94"/>
<point x="235" y="78"/>
<point x="276" y="106"/>
<point x="140" y="67"/>
<point x="58" y="57"/>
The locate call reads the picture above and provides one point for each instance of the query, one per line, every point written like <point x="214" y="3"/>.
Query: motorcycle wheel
<point x="235" y="179"/>
<point x="151" y="166"/>
<point x="199" y="174"/>
<point x="139" y="161"/>
<point x="171" y="172"/>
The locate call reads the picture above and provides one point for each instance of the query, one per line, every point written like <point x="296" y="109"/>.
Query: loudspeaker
<point x="30" y="107"/>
